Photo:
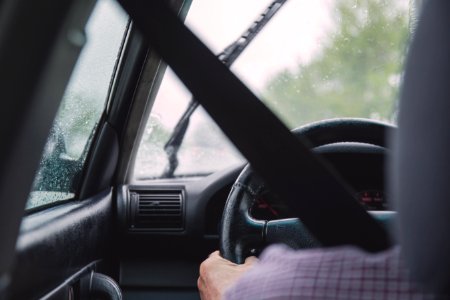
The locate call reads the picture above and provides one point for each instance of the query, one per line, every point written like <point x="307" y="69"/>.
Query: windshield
<point x="315" y="60"/>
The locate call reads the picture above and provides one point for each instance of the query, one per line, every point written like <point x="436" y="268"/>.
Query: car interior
<point x="86" y="215"/>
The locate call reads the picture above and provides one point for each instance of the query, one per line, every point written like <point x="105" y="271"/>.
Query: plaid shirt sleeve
<point x="334" y="273"/>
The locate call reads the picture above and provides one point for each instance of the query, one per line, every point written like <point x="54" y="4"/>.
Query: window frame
<point x="94" y="137"/>
<point x="141" y="97"/>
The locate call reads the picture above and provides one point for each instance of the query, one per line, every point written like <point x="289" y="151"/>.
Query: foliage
<point x="357" y="72"/>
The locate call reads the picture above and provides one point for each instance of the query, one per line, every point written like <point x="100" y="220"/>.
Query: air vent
<point x="156" y="210"/>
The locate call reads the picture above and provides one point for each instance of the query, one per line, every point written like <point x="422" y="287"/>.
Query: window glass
<point x="328" y="59"/>
<point x="314" y="60"/>
<point x="171" y="102"/>
<point x="81" y="107"/>
<point x="205" y="149"/>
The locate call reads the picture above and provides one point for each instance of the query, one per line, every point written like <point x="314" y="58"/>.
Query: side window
<point x="82" y="105"/>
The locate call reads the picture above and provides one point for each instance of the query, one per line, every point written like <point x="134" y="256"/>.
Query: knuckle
<point x="203" y="268"/>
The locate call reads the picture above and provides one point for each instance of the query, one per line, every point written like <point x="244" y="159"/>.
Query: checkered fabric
<point x="334" y="273"/>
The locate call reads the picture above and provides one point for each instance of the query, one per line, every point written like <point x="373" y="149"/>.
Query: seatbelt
<point x="318" y="196"/>
<point x="228" y="56"/>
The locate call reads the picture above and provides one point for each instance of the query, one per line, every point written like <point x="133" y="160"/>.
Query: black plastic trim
<point x="131" y="215"/>
<point x="63" y="289"/>
<point x="55" y="243"/>
<point x="126" y="79"/>
<point x="100" y="170"/>
<point x="33" y="82"/>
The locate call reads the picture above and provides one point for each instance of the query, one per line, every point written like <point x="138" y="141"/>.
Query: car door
<point x="82" y="63"/>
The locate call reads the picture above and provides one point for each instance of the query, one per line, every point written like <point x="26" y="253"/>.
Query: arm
<point x="332" y="273"/>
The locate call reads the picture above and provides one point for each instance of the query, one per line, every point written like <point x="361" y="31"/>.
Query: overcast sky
<point x="294" y="35"/>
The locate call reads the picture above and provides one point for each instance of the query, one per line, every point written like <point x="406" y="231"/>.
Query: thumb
<point x="251" y="260"/>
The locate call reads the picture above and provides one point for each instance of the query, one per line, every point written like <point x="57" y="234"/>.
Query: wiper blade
<point x="228" y="56"/>
<point x="232" y="52"/>
<point x="176" y="139"/>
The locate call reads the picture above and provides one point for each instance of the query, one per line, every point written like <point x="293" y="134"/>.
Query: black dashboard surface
<point x="360" y="165"/>
<point x="203" y="201"/>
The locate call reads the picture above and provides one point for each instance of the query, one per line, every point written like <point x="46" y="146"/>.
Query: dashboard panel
<point x="268" y="206"/>
<point x="360" y="165"/>
<point x="202" y="201"/>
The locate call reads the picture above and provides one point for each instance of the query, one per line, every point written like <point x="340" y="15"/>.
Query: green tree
<point x="356" y="73"/>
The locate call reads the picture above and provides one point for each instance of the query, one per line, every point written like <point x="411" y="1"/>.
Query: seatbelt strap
<point x="318" y="196"/>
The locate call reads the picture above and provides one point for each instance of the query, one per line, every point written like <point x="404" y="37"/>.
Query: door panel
<point x="56" y="243"/>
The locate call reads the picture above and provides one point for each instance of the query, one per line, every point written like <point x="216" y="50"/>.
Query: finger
<point x="215" y="257"/>
<point x="203" y="268"/>
<point x="200" y="283"/>
<point x="201" y="293"/>
<point x="214" y="254"/>
<point x="201" y="286"/>
<point x="251" y="260"/>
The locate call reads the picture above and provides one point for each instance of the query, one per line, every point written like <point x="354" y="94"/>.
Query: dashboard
<point x="181" y="217"/>
<point x="268" y="206"/>
<point x="195" y="205"/>
<point x="361" y="165"/>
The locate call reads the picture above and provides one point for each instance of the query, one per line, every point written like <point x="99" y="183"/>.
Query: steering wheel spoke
<point x="290" y="232"/>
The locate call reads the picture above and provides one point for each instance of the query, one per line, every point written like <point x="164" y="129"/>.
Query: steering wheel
<point x="241" y="234"/>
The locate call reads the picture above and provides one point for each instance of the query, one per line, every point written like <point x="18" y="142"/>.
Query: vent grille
<point x="157" y="210"/>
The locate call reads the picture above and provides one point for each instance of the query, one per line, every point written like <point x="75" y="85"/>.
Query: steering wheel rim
<point x="241" y="233"/>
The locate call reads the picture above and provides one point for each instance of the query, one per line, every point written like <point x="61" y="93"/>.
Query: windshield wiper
<point x="228" y="57"/>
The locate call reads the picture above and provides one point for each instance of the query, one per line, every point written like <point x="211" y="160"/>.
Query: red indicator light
<point x="366" y="198"/>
